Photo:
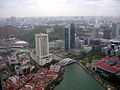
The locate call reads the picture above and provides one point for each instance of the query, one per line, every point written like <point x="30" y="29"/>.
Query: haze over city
<point x="59" y="44"/>
<point x="33" y="8"/>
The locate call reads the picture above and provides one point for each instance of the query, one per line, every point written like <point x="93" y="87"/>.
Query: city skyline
<point x="34" y="8"/>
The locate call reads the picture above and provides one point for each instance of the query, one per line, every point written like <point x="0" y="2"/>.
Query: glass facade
<point x="67" y="39"/>
<point x="70" y="37"/>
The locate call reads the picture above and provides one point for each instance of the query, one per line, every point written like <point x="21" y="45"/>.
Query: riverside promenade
<point x="104" y="83"/>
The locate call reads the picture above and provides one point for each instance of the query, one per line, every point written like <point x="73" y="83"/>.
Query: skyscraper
<point x="42" y="49"/>
<point x="69" y="37"/>
<point x="116" y="30"/>
<point x="106" y="32"/>
<point x="72" y="36"/>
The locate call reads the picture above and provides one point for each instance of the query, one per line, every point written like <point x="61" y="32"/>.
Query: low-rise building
<point x="20" y="44"/>
<point x="112" y="48"/>
<point x="107" y="66"/>
<point x="87" y="49"/>
<point x="56" y="44"/>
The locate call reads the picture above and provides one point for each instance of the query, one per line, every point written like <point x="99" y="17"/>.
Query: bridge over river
<point x="75" y="78"/>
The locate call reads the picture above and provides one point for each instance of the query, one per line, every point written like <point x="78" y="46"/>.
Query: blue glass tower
<point x="72" y="36"/>
<point x="69" y="37"/>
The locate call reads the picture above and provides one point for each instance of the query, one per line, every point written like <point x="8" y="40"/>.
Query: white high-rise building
<point x="42" y="49"/>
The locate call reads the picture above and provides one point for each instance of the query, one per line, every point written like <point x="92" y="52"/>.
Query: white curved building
<point x="20" y="44"/>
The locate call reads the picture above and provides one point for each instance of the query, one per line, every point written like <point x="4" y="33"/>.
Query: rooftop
<point x="107" y="67"/>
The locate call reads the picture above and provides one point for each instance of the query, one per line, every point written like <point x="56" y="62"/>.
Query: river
<point x="75" y="78"/>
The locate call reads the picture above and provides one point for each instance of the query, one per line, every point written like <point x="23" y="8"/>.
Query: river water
<point x="75" y="78"/>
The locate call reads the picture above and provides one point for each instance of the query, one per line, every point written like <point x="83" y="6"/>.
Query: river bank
<point x="75" y="78"/>
<point x="103" y="82"/>
<point x="57" y="80"/>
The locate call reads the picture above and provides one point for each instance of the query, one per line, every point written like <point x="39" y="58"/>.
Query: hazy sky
<point x="23" y="8"/>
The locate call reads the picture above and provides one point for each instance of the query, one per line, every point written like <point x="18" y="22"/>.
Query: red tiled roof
<point x="107" y="58"/>
<point x="111" y="58"/>
<point x="118" y="65"/>
<point x="114" y="58"/>
<point x="99" y="63"/>
<point x="104" y="66"/>
<point x="39" y="88"/>
<point x="41" y="84"/>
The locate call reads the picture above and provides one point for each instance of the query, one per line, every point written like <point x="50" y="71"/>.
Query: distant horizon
<point x="55" y="16"/>
<point x="37" y="8"/>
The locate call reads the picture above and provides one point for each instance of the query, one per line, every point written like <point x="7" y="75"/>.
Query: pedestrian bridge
<point x="66" y="61"/>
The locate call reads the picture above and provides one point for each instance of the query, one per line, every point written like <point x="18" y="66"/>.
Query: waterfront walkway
<point x="103" y="82"/>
